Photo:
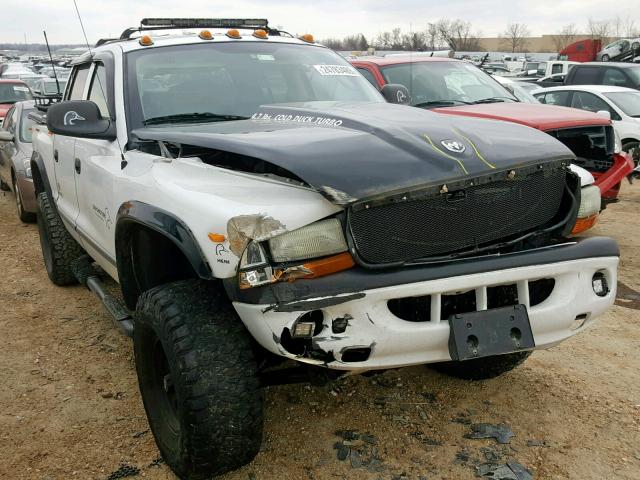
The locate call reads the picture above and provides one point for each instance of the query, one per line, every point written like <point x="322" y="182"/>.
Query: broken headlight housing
<point x="319" y="239"/>
<point x="322" y="241"/>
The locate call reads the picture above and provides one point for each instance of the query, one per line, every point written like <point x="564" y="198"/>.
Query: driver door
<point x="64" y="154"/>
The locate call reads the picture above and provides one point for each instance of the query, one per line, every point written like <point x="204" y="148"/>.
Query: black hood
<point x="360" y="150"/>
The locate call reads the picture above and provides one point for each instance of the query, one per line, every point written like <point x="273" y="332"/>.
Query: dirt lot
<point x="70" y="407"/>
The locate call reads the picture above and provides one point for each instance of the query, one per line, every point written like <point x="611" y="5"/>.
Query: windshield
<point x="26" y="126"/>
<point x="628" y="102"/>
<point x="50" y="88"/>
<point x="541" y="71"/>
<point x="446" y="83"/>
<point x="14" y="92"/>
<point x="230" y="81"/>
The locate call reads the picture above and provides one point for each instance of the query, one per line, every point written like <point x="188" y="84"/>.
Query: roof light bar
<point x="205" y="22"/>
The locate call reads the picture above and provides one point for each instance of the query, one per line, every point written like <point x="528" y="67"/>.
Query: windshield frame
<point x="464" y="65"/>
<point x="133" y="110"/>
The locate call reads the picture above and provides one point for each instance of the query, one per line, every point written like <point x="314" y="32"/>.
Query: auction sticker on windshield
<point x="336" y="70"/>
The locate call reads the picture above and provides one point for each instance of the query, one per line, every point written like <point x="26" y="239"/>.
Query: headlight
<point x="27" y="168"/>
<point x="321" y="239"/>
<point x="589" y="201"/>
<point x="316" y="240"/>
<point x="589" y="209"/>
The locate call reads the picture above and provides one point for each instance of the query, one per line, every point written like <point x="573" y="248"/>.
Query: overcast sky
<point x="323" y="18"/>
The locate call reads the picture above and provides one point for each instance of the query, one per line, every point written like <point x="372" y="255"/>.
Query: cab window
<point x="556" y="98"/>
<point x="556" y="68"/>
<point x="98" y="90"/>
<point x="613" y="76"/>
<point x="592" y="103"/>
<point x="78" y="82"/>
<point x="586" y="76"/>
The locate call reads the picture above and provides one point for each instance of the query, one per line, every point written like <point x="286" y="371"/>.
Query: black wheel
<point x="633" y="148"/>
<point x="26" y="217"/>
<point x="605" y="57"/>
<point x="198" y="379"/>
<point x="482" y="368"/>
<point x="59" y="248"/>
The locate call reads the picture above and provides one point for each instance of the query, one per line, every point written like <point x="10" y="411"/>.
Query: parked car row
<point x="269" y="208"/>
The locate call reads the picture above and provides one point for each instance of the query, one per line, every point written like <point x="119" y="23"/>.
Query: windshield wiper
<point x="492" y="100"/>
<point x="443" y="103"/>
<point x="192" y="117"/>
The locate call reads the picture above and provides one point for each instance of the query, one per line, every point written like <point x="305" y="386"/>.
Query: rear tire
<point x="198" y="379"/>
<point x="482" y="368"/>
<point x="26" y="217"/>
<point x="59" y="248"/>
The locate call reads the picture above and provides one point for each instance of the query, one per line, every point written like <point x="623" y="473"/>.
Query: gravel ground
<point x="70" y="407"/>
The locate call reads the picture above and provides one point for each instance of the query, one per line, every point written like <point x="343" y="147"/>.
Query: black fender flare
<point x="41" y="180"/>
<point x="167" y="225"/>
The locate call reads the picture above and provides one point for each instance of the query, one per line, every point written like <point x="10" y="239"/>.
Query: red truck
<point x="12" y="91"/>
<point x="455" y="87"/>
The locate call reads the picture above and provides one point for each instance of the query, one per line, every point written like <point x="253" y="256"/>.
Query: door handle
<point x="55" y="155"/>
<point x="78" y="165"/>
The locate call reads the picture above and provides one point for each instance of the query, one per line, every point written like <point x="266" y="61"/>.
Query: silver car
<point x="617" y="48"/>
<point x="15" y="155"/>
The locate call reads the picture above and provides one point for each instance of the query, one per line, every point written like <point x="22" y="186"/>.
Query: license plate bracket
<point x="490" y="332"/>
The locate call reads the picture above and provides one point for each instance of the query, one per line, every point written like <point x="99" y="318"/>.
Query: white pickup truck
<point x="257" y="199"/>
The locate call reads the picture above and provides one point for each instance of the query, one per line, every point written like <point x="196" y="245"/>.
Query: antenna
<point x="55" y="75"/>
<point x="123" y="162"/>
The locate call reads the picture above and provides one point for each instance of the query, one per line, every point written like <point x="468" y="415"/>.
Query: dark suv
<point x="605" y="73"/>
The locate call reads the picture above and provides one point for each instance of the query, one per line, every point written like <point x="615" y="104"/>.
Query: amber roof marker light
<point x="146" y="41"/>
<point x="233" y="33"/>
<point x="206" y="35"/>
<point x="262" y="34"/>
<point x="307" y="37"/>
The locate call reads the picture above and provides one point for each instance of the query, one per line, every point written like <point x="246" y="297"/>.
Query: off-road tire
<point x="24" y="216"/>
<point x="198" y="379"/>
<point x="482" y="368"/>
<point x="59" y="248"/>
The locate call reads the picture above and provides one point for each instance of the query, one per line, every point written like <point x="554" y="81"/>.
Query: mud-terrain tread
<point x="210" y="355"/>
<point x="482" y="368"/>
<point x="55" y="237"/>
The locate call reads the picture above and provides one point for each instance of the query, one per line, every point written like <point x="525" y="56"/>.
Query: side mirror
<point x="396" y="93"/>
<point x="79" y="118"/>
<point x="6" y="136"/>
<point x="604" y="113"/>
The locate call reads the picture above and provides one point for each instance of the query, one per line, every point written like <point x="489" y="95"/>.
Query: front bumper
<point x="609" y="182"/>
<point x="393" y="342"/>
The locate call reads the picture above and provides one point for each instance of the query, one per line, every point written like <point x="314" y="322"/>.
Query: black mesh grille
<point x="457" y="220"/>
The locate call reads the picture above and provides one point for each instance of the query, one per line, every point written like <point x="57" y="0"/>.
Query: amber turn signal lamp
<point x="205" y="35"/>
<point x="233" y="33"/>
<point x="146" y="41"/>
<point x="329" y="265"/>
<point x="307" y="37"/>
<point x="261" y="34"/>
<point x="584" y="224"/>
<point x="216" y="237"/>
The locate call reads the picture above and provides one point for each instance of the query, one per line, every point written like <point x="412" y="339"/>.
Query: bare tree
<point x="432" y="37"/>
<point x="457" y="35"/>
<point x="564" y="37"/>
<point x="515" y="36"/>
<point x="599" y="29"/>
<point x="630" y="28"/>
